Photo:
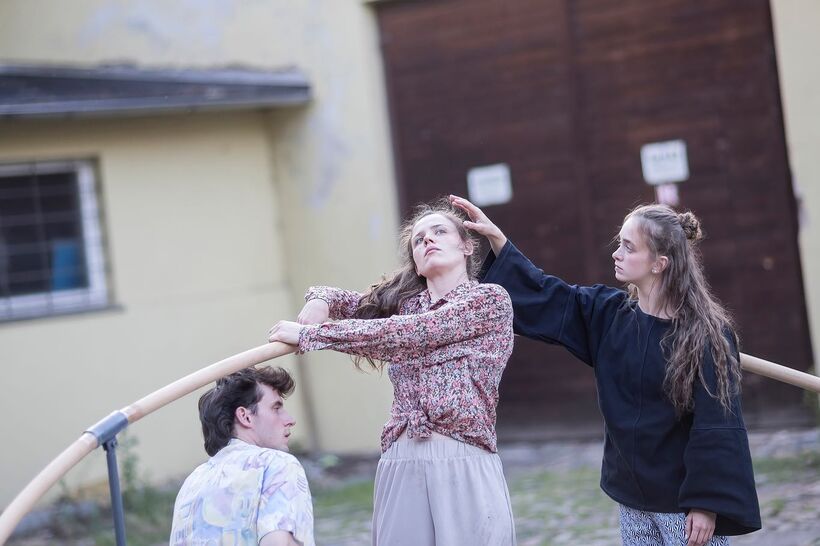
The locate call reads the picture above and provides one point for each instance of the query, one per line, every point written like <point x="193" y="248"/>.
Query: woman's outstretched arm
<point x="486" y="308"/>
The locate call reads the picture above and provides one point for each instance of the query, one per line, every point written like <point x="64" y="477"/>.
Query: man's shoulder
<point x="275" y="457"/>
<point x="282" y="471"/>
<point x="272" y="459"/>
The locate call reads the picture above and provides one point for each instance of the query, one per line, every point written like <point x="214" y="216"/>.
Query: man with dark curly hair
<point x="251" y="491"/>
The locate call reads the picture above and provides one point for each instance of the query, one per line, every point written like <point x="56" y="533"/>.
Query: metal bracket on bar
<point x="109" y="427"/>
<point x="106" y="433"/>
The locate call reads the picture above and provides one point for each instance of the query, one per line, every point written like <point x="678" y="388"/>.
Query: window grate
<point x="51" y="250"/>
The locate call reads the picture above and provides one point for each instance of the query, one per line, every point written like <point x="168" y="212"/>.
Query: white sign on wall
<point x="489" y="185"/>
<point x="664" y="162"/>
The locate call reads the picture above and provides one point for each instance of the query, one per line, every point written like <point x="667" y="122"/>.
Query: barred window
<point x="51" y="245"/>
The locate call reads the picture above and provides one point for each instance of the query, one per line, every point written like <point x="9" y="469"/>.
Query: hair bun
<point x="691" y="226"/>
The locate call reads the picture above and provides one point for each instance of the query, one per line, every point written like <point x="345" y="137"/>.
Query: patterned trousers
<point x="639" y="528"/>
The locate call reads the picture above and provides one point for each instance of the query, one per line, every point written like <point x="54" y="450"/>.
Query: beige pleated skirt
<point x="441" y="492"/>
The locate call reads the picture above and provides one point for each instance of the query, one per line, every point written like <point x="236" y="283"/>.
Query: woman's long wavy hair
<point x="385" y="298"/>
<point x="698" y="319"/>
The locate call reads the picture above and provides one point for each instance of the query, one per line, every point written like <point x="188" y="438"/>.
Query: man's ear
<point x="242" y="417"/>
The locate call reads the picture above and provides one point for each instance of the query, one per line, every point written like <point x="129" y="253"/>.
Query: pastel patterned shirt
<point x="241" y="494"/>
<point x="445" y="357"/>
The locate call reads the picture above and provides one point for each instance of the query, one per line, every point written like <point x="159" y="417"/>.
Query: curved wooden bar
<point x="87" y="443"/>
<point x="784" y="374"/>
<point x="47" y="477"/>
<point x="190" y="383"/>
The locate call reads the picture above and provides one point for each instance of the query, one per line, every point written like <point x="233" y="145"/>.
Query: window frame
<point x="76" y="300"/>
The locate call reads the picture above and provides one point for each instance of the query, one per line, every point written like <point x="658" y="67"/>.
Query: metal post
<point x="114" y="486"/>
<point x="106" y="433"/>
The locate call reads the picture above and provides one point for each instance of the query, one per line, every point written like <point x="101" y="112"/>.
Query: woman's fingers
<point x="286" y="332"/>
<point x="479" y="223"/>
<point x="272" y="331"/>
<point x="699" y="528"/>
<point x="706" y="533"/>
<point x="687" y="530"/>
<point x="481" y="229"/>
<point x="700" y="536"/>
<point x="277" y="332"/>
<point x="472" y="211"/>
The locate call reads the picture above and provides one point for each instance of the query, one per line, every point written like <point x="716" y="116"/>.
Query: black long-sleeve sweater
<point x="653" y="460"/>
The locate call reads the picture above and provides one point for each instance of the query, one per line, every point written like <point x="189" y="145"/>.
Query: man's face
<point x="271" y="423"/>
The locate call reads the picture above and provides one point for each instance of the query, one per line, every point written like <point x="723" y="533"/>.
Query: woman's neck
<point x="651" y="302"/>
<point x="440" y="285"/>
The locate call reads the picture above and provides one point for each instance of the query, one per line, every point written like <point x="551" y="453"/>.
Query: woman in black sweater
<point x="666" y="364"/>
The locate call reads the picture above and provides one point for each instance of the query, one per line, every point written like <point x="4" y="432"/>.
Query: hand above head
<point x="480" y="223"/>
<point x="700" y="526"/>
<point x="286" y="332"/>
<point x="315" y="311"/>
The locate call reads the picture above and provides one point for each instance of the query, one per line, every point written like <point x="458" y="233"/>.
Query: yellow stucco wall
<point x="216" y="223"/>
<point x="797" y="42"/>
<point x="189" y="210"/>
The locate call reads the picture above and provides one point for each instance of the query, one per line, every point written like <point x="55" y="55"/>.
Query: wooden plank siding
<point x="566" y="92"/>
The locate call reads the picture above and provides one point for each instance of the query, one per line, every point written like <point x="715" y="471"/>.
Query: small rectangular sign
<point x="489" y="185"/>
<point x="664" y="162"/>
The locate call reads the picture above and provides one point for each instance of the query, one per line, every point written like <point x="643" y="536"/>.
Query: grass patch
<point x="786" y="469"/>
<point x="148" y="513"/>
<point x="343" y="511"/>
<point x="562" y="504"/>
<point x="351" y="497"/>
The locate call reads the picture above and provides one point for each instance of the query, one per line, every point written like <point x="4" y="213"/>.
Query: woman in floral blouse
<point x="446" y="340"/>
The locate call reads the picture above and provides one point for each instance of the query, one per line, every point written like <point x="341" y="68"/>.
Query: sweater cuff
<point x="306" y="342"/>
<point x="317" y="293"/>
<point x="719" y="478"/>
<point x="491" y="259"/>
<point x="310" y="338"/>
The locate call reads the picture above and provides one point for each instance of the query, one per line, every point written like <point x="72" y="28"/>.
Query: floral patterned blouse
<point x="445" y="357"/>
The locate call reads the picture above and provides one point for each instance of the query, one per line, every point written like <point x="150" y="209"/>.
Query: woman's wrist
<point x="497" y="242"/>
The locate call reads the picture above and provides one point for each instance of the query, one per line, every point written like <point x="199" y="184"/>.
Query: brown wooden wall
<point x="566" y="92"/>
